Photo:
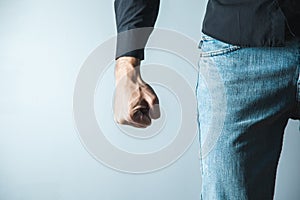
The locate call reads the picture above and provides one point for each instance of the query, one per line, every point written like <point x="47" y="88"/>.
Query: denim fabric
<point x="245" y="98"/>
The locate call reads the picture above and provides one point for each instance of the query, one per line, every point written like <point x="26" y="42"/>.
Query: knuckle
<point x="154" y="100"/>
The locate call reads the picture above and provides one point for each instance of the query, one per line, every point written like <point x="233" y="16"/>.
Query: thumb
<point x="153" y="102"/>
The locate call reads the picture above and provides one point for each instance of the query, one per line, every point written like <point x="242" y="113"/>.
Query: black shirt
<point x="240" y="22"/>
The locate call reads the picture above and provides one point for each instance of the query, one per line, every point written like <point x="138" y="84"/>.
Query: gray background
<point x="43" y="44"/>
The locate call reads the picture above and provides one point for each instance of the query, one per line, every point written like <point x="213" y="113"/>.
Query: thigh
<point x="245" y="98"/>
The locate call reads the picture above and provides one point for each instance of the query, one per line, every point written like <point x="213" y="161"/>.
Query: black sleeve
<point x="131" y="16"/>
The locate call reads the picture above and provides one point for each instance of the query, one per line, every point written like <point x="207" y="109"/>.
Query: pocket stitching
<point x="220" y="51"/>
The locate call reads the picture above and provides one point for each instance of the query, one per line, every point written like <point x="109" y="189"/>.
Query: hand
<point x="135" y="102"/>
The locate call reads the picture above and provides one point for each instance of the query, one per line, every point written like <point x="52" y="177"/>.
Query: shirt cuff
<point x="132" y="42"/>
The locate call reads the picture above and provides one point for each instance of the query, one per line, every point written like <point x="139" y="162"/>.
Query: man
<point x="254" y="45"/>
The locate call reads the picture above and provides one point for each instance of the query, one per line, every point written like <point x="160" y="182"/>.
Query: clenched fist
<point x="135" y="102"/>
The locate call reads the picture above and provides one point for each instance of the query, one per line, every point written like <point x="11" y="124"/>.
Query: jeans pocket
<point x="212" y="47"/>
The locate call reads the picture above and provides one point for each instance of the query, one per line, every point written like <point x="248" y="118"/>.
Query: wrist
<point x="127" y="67"/>
<point x="128" y="59"/>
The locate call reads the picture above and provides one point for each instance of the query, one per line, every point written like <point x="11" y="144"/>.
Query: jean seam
<point x="219" y="52"/>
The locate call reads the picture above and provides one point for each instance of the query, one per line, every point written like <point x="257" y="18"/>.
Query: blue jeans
<point x="245" y="98"/>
